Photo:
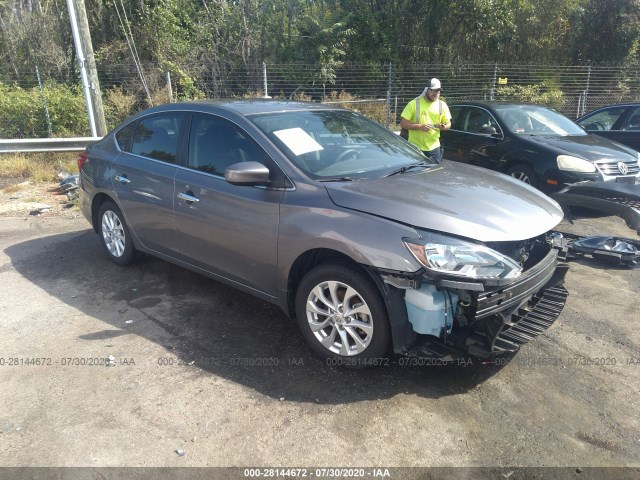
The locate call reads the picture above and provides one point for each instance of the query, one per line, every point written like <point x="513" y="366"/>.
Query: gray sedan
<point x="341" y="223"/>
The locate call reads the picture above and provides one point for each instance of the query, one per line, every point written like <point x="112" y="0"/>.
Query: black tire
<point x="525" y="174"/>
<point x="369" y="324"/>
<point x="114" y="234"/>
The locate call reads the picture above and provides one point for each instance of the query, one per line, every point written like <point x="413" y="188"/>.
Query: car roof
<point x="613" y="105"/>
<point x="246" y="106"/>
<point x="624" y="104"/>
<point x="496" y="103"/>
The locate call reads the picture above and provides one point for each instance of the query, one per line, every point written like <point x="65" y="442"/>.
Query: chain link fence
<point x="379" y="91"/>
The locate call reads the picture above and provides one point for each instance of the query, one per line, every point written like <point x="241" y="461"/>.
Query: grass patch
<point x="37" y="167"/>
<point x="14" y="188"/>
<point x="31" y="199"/>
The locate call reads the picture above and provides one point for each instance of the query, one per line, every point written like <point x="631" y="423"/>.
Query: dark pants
<point x="434" y="155"/>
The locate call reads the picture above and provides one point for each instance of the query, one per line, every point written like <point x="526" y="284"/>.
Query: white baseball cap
<point x="435" y="84"/>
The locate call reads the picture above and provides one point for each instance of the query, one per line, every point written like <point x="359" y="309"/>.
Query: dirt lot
<point x="227" y="379"/>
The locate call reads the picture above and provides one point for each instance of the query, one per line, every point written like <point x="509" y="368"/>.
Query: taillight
<point x="82" y="157"/>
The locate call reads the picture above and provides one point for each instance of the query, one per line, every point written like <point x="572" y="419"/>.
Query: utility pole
<point x="87" y="64"/>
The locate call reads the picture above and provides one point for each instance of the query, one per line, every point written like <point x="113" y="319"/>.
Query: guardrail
<point x="29" y="145"/>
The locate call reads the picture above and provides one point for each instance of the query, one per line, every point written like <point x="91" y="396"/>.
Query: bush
<point x="374" y="109"/>
<point x="541" y="94"/>
<point x="22" y="114"/>
<point x="118" y="105"/>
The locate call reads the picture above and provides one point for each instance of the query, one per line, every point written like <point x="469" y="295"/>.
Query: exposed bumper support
<point x="498" y="300"/>
<point x="545" y="308"/>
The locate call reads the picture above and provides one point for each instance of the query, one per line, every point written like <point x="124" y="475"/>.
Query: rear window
<point x="124" y="137"/>
<point x="157" y="137"/>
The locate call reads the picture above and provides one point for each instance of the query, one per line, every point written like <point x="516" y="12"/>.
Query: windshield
<point x="337" y="144"/>
<point x="535" y="120"/>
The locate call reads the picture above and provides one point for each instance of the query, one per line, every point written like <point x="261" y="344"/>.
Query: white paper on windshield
<point x="298" y="141"/>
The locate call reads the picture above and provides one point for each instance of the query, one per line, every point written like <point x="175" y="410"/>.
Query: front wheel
<point x="114" y="234"/>
<point x="524" y="174"/>
<point x="342" y="316"/>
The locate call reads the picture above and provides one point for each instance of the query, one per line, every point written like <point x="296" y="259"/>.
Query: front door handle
<point x="122" y="179"/>
<point x="188" y="198"/>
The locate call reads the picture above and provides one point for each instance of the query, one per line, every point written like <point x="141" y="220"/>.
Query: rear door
<point x="143" y="180"/>
<point x="229" y="230"/>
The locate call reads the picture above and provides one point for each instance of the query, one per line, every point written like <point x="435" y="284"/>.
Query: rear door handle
<point x="188" y="198"/>
<point x="122" y="179"/>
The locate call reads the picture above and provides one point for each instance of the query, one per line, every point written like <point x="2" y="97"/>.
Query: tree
<point x="606" y="33"/>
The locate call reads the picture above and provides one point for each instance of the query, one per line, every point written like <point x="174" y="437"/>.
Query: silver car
<point x="338" y="221"/>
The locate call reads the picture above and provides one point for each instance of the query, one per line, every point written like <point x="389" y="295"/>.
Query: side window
<point x="480" y="121"/>
<point x="216" y="143"/>
<point x="604" y="120"/>
<point x="456" y="117"/>
<point x="157" y="137"/>
<point x="124" y="137"/>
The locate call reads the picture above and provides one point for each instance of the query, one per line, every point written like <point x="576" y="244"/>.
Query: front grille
<point x="610" y="167"/>
<point x="543" y="309"/>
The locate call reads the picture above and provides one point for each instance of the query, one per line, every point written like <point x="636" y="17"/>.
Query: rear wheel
<point x="342" y="316"/>
<point x="524" y="174"/>
<point x="115" y="235"/>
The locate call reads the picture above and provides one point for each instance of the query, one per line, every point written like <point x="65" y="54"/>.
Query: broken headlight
<point x="450" y="256"/>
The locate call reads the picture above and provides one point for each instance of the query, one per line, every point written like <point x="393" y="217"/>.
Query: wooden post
<point x="90" y="65"/>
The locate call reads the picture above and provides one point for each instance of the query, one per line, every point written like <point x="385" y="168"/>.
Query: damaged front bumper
<point x="613" y="198"/>
<point x="477" y="321"/>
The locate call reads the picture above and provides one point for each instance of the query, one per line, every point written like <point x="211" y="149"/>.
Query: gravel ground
<point x="227" y="379"/>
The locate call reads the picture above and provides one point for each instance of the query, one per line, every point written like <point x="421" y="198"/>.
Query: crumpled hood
<point x="590" y="147"/>
<point x="454" y="198"/>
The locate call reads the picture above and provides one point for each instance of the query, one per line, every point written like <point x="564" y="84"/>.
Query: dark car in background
<point x="620" y="123"/>
<point x="335" y="219"/>
<point x="534" y="144"/>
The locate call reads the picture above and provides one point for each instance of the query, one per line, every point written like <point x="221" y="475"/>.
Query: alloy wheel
<point x="113" y="234"/>
<point x="339" y="318"/>
<point x="522" y="176"/>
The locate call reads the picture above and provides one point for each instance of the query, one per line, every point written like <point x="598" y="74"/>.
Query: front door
<point x="228" y="230"/>
<point x="474" y="138"/>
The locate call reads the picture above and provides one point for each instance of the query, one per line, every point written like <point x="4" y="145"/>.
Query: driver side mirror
<point x="488" y="130"/>
<point x="247" y="173"/>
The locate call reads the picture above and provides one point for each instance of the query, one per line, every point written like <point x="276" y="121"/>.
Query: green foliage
<point x="606" y="31"/>
<point x="215" y="48"/>
<point x="540" y="93"/>
<point x="184" y="87"/>
<point x="213" y="37"/>
<point x="22" y="114"/>
<point x="327" y="48"/>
